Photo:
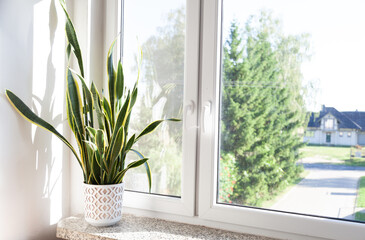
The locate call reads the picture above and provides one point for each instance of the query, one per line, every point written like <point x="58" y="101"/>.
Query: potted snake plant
<point x="100" y="126"/>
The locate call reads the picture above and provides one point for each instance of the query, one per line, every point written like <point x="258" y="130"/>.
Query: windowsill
<point x="136" y="227"/>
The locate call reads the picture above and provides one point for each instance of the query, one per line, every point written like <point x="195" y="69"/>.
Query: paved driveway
<point x="328" y="190"/>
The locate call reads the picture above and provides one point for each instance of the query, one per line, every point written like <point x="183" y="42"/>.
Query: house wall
<point x="361" y="138"/>
<point x="319" y="137"/>
<point x="315" y="139"/>
<point x="345" y="139"/>
<point x="34" y="164"/>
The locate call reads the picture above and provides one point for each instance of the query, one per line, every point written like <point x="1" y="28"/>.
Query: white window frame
<point x="197" y="204"/>
<point x="184" y="205"/>
<point x="208" y="164"/>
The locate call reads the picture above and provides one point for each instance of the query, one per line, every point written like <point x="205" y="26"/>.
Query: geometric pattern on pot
<point x="103" y="203"/>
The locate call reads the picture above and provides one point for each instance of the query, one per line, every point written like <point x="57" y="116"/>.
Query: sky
<point x="337" y="29"/>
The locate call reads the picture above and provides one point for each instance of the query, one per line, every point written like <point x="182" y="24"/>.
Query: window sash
<point x="184" y="205"/>
<point x="200" y="145"/>
<point x="209" y="209"/>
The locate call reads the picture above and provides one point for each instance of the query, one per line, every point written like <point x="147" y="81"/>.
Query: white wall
<point x="319" y="137"/>
<point x="315" y="139"/>
<point x="33" y="163"/>
<point x="345" y="139"/>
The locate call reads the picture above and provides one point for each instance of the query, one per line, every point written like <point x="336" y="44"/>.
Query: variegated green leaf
<point x="111" y="78"/>
<point x="152" y="126"/>
<point x="98" y="106"/>
<point x="68" y="50"/>
<point x="147" y="167"/>
<point x="72" y="38"/>
<point x="99" y="140"/>
<point x="28" y="114"/>
<point x="123" y="114"/>
<point x="95" y="168"/>
<point x="130" y="142"/>
<point x="120" y="175"/>
<point x="92" y="133"/>
<point x="88" y="104"/>
<point x="70" y="120"/>
<point x="75" y="100"/>
<point x="120" y="82"/>
<point x="108" y="112"/>
<point x="115" y="147"/>
<point x="134" y="97"/>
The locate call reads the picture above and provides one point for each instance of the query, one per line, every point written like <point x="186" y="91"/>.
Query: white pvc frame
<point x="304" y="227"/>
<point x="186" y="204"/>
<point x="197" y="204"/>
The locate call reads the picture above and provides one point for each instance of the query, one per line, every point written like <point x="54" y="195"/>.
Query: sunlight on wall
<point x="48" y="100"/>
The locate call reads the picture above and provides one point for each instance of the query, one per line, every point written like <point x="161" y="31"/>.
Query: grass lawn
<point x="357" y="162"/>
<point x="361" y="193"/>
<point x="360" y="216"/>
<point x="326" y="152"/>
<point x="360" y="202"/>
<point x="331" y="152"/>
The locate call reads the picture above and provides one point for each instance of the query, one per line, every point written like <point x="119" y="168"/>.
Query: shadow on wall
<point x="32" y="181"/>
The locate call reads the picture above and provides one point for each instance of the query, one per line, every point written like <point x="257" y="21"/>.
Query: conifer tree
<point x="262" y="107"/>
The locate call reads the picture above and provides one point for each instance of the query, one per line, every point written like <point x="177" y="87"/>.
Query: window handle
<point x="207" y="112"/>
<point x="189" y="112"/>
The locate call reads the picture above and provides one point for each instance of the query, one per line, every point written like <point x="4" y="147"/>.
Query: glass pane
<point x="159" y="28"/>
<point x="292" y="129"/>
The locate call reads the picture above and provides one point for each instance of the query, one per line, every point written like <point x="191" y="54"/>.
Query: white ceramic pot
<point x="103" y="204"/>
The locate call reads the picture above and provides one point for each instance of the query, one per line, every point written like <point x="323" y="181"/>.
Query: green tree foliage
<point x="262" y="107"/>
<point x="227" y="177"/>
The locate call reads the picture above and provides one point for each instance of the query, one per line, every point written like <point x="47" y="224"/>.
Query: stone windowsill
<point x="135" y="227"/>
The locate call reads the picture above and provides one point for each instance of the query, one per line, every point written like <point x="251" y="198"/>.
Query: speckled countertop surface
<point x="135" y="227"/>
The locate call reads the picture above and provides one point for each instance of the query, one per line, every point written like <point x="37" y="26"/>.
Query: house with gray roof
<point x="331" y="127"/>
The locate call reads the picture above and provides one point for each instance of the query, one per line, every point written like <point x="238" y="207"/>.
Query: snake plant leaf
<point x="108" y="131"/>
<point x="98" y="107"/>
<point x="134" y="96"/>
<point x="92" y="133"/>
<point x="120" y="175"/>
<point x="98" y="159"/>
<point x="95" y="168"/>
<point x="126" y="125"/>
<point x="70" y="119"/>
<point x="89" y="100"/>
<point x="152" y="126"/>
<point x="147" y="167"/>
<point x="28" y="114"/>
<point x="75" y="100"/>
<point x="130" y="142"/>
<point x="108" y="112"/>
<point x="115" y="147"/>
<point x="99" y="140"/>
<point x="123" y="114"/>
<point x="90" y="148"/>
<point x="120" y="82"/>
<point x="72" y="38"/>
<point x="111" y="77"/>
<point x="68" y="50"/>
